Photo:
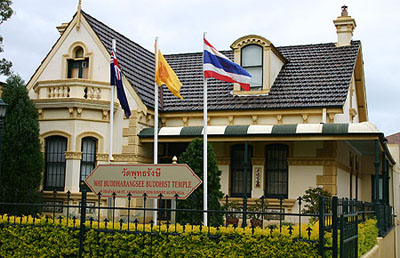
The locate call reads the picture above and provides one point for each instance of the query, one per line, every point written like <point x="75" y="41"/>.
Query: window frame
<point x="283" y="194"/>
<point x="237" y="165"/>
<point x="78" y="61"/>
<point x="62" y="163"/>
<point x="260" y="87"/>
<point x="85" y="162"/>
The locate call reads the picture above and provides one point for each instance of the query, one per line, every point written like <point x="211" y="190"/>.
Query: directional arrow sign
<point x="140" y="179"/>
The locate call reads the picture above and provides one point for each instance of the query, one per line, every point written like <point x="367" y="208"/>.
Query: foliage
<point x="5" y="13"/>
<point x="233" y="206"/>
<point x="38" y="242"/>
<point x="21" y="159"/>
<point x="193" y="157"/>
<point x="43" y="238"/>
<point x="258" y="207"/>
<point x="367" y="236"/>
<point x="311" y="199"/>
<point x="58" y="240"/>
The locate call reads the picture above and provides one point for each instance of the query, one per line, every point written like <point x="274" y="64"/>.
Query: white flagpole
<point x="110" y="157"/>
<point x="205" y="181"/>
<point x="155" y="126"/>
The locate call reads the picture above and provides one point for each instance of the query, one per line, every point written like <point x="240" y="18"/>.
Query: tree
<point x="22" y="159"/>
<point x="193" y="157"/>
<point x="5" y="13"/>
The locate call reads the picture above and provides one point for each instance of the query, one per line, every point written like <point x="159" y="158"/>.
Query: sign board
<point x="167" y="179"/>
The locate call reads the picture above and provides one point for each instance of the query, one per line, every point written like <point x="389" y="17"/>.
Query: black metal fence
<point x="337" y="216"/>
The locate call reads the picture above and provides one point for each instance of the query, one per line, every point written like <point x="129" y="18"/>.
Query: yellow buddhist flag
<point x="165" y="75"/>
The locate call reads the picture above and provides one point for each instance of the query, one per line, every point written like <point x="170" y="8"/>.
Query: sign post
<point x="165" y="179"/>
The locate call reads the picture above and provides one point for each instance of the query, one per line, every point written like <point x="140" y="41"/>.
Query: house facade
<point x="305" y="119"/>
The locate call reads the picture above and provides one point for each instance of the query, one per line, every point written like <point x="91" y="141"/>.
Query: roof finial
<point x="78" y="13"/>
<point x="344" y="11"/>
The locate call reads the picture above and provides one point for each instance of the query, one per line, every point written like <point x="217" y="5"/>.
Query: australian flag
<point x="116" y="79"/>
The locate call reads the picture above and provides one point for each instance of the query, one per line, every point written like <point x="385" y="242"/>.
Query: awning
<point x="360" y="135"/>
<point x="264" y="130"/>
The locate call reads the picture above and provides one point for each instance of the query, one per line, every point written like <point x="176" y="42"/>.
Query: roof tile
<point x="314" y="76"/>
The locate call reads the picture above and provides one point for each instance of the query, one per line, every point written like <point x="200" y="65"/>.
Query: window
<point x="55" y="147"/>
<point x="78" y="66"/>
<point x="252" y="62"/>
<point x="88" y="162"/>
<point x="276" y="169"/>
<point x="237" y="177"/>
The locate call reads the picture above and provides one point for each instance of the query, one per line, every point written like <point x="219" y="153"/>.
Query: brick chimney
<point x="344" y="28"/>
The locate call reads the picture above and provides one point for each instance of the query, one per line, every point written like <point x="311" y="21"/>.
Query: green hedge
<point x="48" y="240"/>
<point x="195" y="245"/>
<point x="60" y="241"/>
<point x="367" y="236"/>
<point x="45" y="241"/>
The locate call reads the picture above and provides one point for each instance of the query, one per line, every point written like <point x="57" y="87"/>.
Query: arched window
<point x="88" y="162"/>
<point x="78" y="66"/>
<point x="252" y="62"/>
<point x="276" y="169"/>
<point x="78" y="52"/>
<point x="55" y="147"/>
<point x="237" y="177"/>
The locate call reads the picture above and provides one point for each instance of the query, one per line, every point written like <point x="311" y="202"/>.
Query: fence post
<point x="321" y="226"/>
<point x="244" y="221"/>
<point x="335" y="226"/>
<point x="83" y="189"/>
<point x="342" y="226"/>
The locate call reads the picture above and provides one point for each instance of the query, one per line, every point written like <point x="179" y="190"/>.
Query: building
<point x="305" y="118"/>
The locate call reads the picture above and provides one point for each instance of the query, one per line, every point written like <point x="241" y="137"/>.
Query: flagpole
<point x="110" y="157"/>
<point x="155" y="126"/>
<point x="205" y="162"/>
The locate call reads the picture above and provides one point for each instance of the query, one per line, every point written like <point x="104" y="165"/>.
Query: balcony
<point x="72" y="89"/>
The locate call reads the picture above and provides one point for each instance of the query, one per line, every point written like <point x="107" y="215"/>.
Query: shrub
<point x="45" y="239"/>
<point x="367" y="236"/>
<point x="311" y="199"/>
<point x="41" y="238"/>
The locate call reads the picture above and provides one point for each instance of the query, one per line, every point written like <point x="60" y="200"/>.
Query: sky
<point x="31" y="32"/>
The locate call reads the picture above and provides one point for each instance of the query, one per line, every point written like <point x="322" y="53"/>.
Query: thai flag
<point x="218" y="66"/>
<point x="116" y="79"/>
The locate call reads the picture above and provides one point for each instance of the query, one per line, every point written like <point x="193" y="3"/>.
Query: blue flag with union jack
<point x="116" y="79"/>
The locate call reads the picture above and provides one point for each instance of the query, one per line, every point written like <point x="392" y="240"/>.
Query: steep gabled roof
<point x="315" y="76"/>
<point x="137" y="63"/>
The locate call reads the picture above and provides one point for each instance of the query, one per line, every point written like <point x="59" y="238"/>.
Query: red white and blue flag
<point x="218" y="66"/>
<point x="116" y="79"/>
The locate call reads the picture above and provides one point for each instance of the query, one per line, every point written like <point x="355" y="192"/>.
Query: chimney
<point x="344" y="28"/>
<point x="62" y="27"/>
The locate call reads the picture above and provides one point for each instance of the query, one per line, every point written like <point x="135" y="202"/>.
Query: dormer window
<point x="252" y="62"/>
<point x="78" y="66"/>
<point x="261" y="59"/>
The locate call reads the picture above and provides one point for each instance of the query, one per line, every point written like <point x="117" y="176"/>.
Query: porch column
<point x="245" y="168"/>
<point x="377" y="164"/>
<point x="387" y="182"/>
<point x="384" y="181"/>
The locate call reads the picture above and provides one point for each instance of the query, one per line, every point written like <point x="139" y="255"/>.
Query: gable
<point x="54" y="68"/>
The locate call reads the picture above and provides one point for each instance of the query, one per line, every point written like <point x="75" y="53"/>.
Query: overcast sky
<point x="179" y="24"/>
